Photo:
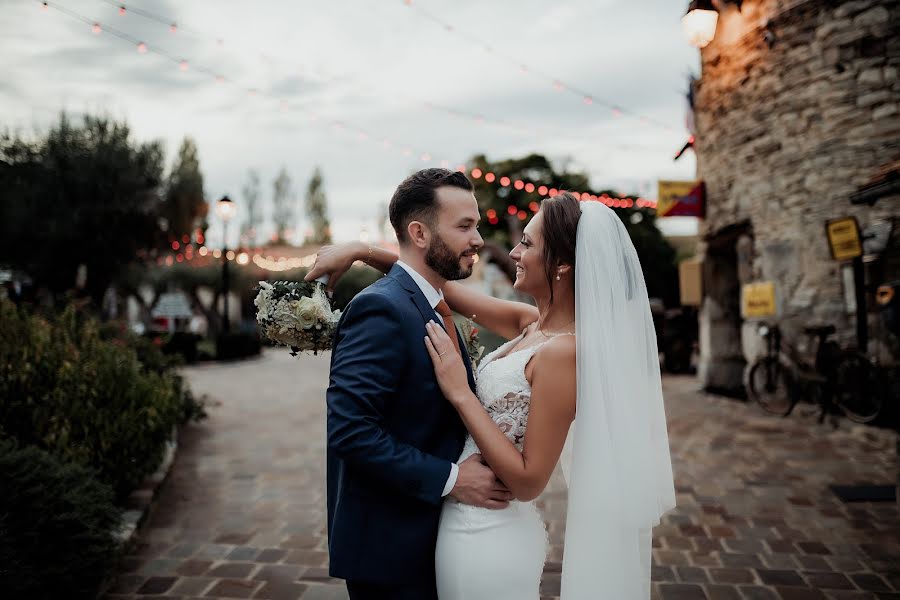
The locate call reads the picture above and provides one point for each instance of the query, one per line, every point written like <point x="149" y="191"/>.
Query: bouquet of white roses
<point x="296" y="314"/>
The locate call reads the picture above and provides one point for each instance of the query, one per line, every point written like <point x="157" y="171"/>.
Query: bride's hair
<point x="561" y="215"/>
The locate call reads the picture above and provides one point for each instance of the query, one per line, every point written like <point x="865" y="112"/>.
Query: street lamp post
<point x="225" y="210"/>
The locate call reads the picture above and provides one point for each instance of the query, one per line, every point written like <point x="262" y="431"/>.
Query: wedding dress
<point x="494" y="554"/>
<point x="616" y="461"/>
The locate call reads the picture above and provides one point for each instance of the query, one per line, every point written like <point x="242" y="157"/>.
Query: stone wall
<point x="797" y="106"/>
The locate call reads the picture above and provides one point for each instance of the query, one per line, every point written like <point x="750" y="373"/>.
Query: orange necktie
<point x="449" y="325"/>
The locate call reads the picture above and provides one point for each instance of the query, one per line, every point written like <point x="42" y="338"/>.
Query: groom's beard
<point x="444" y="262"/>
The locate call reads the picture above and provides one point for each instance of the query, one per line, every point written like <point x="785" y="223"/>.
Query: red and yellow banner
<point x="681" y="199"/>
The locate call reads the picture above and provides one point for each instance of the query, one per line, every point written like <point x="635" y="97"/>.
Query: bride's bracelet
<point x="368" y="258"/>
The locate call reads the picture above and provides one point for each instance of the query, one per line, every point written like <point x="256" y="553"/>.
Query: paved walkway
<point x="243" y="513"/>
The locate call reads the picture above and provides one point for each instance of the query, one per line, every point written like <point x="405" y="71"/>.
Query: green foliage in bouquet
<point x="88" y="400"/>
<point x="57" y="526"/>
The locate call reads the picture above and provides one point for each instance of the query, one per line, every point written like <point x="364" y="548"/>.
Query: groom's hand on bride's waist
<point x="477" y="485"/>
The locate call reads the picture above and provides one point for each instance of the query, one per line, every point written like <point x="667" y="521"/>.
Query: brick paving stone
<point x="659" y="573"/>
<point x="752" y="490"/>
<point x="800" y="593"/>
<point x="233" y="588"/>
<point x="271" y="555"/>
<point x="157" y="585"/>
<point x="755" y="592"/>
<point x="731" y="575"/>
<point x="281" y="591"/>
<point x="692" y="574"/>
<point x="722" y="592"/>
<point x="828" y="580"/>
<point x="774" y="577"/>
<point x="194" y="567"/>
<point x="681" y="591"/>
<point x="232" y="569"/>
<point x="244" y="553"/>
<point x="870" y="582"/>
<point x="193" y="586"/>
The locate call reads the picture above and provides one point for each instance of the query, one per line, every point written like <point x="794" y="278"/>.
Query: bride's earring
<point x="557" y="275"/>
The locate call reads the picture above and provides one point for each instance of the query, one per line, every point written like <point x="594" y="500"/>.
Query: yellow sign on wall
<point x="758" y="300"/>
<point x="843" y="238"/>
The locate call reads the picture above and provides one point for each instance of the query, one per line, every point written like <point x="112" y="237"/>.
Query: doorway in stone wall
<point x="722" y="362"/>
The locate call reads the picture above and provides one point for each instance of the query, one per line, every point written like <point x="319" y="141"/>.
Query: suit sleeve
<point x="368" y="359"/>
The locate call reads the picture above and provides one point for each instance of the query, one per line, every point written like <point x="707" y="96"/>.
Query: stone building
<point x="796" y="109"/>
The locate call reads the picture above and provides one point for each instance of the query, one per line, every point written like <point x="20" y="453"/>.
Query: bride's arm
<point x="552" y="409"/>
<point x="503" y="317"/>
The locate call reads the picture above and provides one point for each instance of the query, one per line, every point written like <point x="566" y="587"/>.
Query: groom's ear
<point x="419" y="234"/>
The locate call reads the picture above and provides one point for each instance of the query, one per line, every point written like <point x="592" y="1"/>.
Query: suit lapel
<point x="428" y="313"/>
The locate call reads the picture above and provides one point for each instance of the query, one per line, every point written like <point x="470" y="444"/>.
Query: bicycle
<point x="838" y="377"/>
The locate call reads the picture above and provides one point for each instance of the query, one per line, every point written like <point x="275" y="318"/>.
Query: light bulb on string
<point x="142" y="47"/>
<point x="529" y="187"/>
<point x="173" y="28"/>
<point x="542" y="190"/>
<point x="490" y="177"/>
<point x="220" y="79"/>
<point x="519" y="184"/>
<point x="95" y="29"/>
<point x="183" y="65"/>
<point x="588" y="100"/>
<point x="122" y="10"/>
<point x="504" y="181"/>
<point x="476" y="173"/>
<point x="44" y="6"/>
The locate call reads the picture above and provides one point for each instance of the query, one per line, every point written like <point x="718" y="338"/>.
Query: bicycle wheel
<point x="770" y="386"/>
<point x="857" y="390"/>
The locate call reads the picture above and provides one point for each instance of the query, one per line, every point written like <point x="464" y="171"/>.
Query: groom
<point x="392" y="437"/>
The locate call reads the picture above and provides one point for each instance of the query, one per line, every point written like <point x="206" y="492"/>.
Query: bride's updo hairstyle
<point x="561" y="215"/>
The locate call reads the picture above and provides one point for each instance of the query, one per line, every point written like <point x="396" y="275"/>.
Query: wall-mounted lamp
<point x="700" y="20"/>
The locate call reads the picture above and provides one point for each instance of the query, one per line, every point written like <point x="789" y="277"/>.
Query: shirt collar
<point x="432" y="295"/>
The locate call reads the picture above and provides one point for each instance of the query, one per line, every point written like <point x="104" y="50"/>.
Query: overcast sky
<point x="374" y="65"/>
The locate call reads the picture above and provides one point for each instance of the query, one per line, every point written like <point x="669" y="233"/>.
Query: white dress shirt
<point x="433" y="296"/>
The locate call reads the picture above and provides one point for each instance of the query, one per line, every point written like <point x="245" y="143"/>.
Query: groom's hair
<point x="415" y="198"/>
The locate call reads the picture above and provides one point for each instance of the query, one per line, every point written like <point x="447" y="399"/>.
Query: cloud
<point x="372" y="66"/>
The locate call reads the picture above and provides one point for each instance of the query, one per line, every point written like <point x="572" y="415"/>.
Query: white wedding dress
<point x="486" y="554"/>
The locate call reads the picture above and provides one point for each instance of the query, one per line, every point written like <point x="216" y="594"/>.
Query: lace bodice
<point x="504" y="391"/>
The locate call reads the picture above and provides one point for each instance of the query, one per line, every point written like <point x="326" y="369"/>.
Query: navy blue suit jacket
<point x="391" y="437"/>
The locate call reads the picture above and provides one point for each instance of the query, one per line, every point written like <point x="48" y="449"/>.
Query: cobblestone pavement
<point x="243" y="513"/>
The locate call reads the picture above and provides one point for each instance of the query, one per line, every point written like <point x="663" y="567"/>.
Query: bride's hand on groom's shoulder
<point x="334" y="261"/>
<point x="477" y="485"/>
<point x="448" y="365"/>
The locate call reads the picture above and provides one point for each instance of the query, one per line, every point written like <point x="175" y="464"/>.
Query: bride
<point x="588" y="348"/>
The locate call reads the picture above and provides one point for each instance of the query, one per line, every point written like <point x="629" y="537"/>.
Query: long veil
<point x="617" y="461"/>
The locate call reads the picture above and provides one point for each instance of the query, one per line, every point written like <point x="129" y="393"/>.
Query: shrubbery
<point x="86" y="397"/>
<point x="57" y="526"/>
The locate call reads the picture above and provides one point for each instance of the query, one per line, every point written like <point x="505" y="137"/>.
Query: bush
<point x="85" y="399"/>
<point x="57" y="526"/>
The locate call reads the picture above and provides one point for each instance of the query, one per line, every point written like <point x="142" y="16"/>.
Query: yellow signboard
<point x="843" y="238"/>
<point x="671" y="194"/>
<point x="758" y="300"/>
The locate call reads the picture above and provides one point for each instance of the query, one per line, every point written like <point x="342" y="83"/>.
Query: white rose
<point x="306" y="312"/>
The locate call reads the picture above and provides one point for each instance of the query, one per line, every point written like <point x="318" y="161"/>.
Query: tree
<point x="250" y="192"/>
<point x="282" y="203"/>
<point x="83" y="195"/>
<point x="317" y="210"/>
<point x="509" y="205"/>
<point x="185" y="207"/>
